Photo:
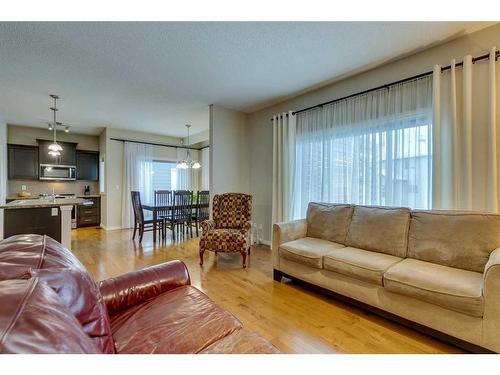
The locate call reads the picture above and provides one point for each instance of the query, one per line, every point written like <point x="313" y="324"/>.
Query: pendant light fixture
<point x="54" y="148"/>
<point x="188" y="162"/>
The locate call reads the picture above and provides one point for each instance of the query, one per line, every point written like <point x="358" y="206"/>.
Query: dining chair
<point x="202" y="211"/>
<point x="139" y="222"/>
<point x="182" y="217"/>
<point x="164" y="198"/>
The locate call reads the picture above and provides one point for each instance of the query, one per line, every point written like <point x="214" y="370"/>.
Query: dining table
<point x="156" y="208"/>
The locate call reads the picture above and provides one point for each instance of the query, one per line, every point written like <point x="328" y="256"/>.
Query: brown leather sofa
<point x="50" y="304"/>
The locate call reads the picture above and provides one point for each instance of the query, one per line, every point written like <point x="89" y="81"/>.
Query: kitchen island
<point x="51" y="217"/>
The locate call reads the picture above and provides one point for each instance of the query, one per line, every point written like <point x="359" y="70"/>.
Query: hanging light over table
<point x="188" y="162"/>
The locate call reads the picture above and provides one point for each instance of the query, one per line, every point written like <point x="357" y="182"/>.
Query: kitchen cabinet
<point x="89" y="214"/>
<point x="39" y="220"/>
<point x="67" y="157"/>
<point x="87" y="165"/>
<point x="22" y="162"/>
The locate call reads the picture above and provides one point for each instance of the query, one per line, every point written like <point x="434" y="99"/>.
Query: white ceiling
<point x="156" y="77"/>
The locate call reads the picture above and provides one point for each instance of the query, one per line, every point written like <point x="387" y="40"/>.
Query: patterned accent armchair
<point x="229" y="230"/>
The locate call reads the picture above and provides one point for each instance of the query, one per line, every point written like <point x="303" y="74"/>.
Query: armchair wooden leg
<point x="201" y="257"/>
<point x="244" y="255"/>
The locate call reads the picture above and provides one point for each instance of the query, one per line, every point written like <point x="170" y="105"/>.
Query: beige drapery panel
<point x="284" y="128"/>
<point x="465" y="137"/>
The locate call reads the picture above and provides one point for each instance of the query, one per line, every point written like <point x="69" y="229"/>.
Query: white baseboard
<point x="265" y="242"/>
<point x="110" y="228"/>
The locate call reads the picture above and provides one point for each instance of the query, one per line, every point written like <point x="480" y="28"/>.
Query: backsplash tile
<point x="45" y="187"/>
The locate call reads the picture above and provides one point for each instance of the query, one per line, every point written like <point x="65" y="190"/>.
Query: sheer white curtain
<point x="187" y="179"/>
<point x="284" y="144"/>
<point x="371" y="149"/>
<point x="137" y="175"/>
<point x="465" y="136"/>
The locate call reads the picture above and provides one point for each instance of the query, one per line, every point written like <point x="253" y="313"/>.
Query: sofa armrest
<point x="124" y="291"/>
<point x="491" y="293"/>
<point x="285" y="232"/>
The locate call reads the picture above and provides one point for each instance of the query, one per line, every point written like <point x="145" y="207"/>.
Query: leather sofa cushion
<point x="452" y="238"/>
<point x="33" y="320"/>
<point x="448" y="287"/>
<point x="381" y="229"/>
<point x="329" y="221"/>
<point x="183" y="320"/>
<point x="25" y="256"/>
<point x="307" y="250"/>
<point x="241" y="341"/>
<point x="360" y="264"/>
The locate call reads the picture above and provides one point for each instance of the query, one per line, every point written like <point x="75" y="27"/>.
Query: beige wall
<point x="229" y="167"/>
<point x="3" y="169"/>
<point x="260" y="131"/>
<point x="25" y="135"/>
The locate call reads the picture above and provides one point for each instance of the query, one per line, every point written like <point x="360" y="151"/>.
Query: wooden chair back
<point x="163" y="198"/>
<point x="202" y="205"/>
<point x="137" y="207"/>
<point x="182" y="205"/>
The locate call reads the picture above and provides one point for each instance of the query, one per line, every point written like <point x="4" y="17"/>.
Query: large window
<point x="375" y="149"/>
<point x="164" y="175"/>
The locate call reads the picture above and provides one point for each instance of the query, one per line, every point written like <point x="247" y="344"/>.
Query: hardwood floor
<point x="295" y="319"/>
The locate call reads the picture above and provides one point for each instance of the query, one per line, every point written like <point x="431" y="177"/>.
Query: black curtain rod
<point x="158" y="144"/>
<point x="387" y="85"/>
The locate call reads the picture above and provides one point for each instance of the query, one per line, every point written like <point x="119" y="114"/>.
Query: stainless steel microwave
<point x="57" y="172"/>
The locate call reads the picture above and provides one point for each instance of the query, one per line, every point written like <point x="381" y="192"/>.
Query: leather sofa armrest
<point x="127" y="290"/>
<point x="285" y="232"/>
<point x="207" y="225"/>
<point x="491" y="293"/>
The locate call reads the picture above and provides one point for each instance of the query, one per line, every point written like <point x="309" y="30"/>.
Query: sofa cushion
<point x="241" y="341"/>
<point x="329" y="221"/>
<point x="452" y="238"/>
<point x="448" y="287"/>
<point x="382" y="229"/>
<point x="31" y="255"/>
<point x="34" y="320"/>
<point x="183" y="320"/>
<point x="307" y="250"/>
<point x="360" y="264"/>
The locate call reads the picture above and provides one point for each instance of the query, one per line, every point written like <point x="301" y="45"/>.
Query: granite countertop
<point x="15" y="197"/>
<point x="36" y="203"/>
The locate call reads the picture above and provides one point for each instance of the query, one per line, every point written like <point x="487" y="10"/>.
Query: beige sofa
<point x="438" y="269"/>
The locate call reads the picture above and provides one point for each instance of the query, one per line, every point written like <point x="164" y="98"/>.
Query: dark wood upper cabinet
<point x="67" y="157"/>
<point x="87" y="165"/>
<point x="22" y="162"/>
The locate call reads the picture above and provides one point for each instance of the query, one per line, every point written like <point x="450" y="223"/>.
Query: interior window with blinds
<point x="373" y="149"/>
<point x="164" y="175"/>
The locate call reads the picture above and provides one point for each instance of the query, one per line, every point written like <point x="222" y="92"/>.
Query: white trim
<point x="265" y="242"/>
<point x="110" y="228"/>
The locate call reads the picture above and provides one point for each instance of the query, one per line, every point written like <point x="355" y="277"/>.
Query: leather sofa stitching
<point x="18" y="311"/>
